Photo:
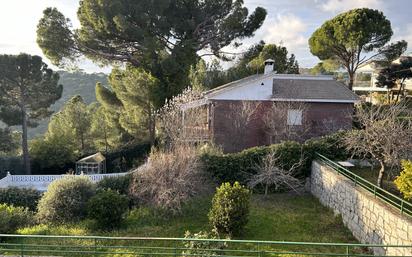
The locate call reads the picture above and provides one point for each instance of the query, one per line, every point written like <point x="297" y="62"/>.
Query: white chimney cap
<point x="269" y="61"/>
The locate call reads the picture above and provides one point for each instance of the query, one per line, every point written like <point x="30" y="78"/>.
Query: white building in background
<point x="372" y="69"/>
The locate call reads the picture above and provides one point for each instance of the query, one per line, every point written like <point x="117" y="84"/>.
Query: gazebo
<point x="93" y="164"/>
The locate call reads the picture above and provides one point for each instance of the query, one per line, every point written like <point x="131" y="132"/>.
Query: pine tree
<point x="27" y="89"/>
<point x="133" y="96"/>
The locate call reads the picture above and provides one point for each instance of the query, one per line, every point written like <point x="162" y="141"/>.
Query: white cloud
<point x="404" y="34"/>
<point x="285" y="29"/>
<point x="336" y="6"/>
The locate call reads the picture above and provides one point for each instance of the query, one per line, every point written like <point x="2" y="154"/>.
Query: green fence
<point x="36" y="245"/>
<point x="402" y="205"/>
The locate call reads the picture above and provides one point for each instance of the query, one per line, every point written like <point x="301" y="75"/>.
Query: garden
<point x="188" y="192"/>
<point x="196" y="192"/>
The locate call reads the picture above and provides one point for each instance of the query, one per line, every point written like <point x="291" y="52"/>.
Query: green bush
<point x="240" y="166"/>
<point x="20" y="197"/>
<point x="65" y="200"/>
<point x="404" y="181"/>
<point x="107" y="208"/>
<point x="120" y="184"/>
<point x="13" y="218"/>
<point x="202" y="248"/>
<point x="230" y="209"/>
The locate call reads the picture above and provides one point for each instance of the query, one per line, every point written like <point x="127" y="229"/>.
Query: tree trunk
<point x="266" y="189"/>
<point x="381" y="174"/>
<point x="351" y="79"/>
<point x="152" y="128"/>
<point x="24" y="144"/>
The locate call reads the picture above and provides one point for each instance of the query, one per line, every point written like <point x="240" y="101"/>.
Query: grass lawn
<point x="278" y="217"/>
<point x="371" y="174"/>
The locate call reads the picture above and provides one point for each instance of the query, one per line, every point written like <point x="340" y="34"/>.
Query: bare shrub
<point x="385" y="135"/>
<point x="277" y="123"/>
<point x="169" y="179"/>
<point x="239" y="117"/>
<point x="182" y="119"/>
<point x="271" y="174"/>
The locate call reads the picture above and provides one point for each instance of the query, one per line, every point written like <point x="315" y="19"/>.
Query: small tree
<point x="354" y="38"/>
<point x="395" y="75"/>
<point x="230" y="209"/>
<point x="270" y="173"/>
<point x="384" y="135"/>
<point x="27" y="89"/>
<point x="404" y="181"/>
<point x="179" y="117"/>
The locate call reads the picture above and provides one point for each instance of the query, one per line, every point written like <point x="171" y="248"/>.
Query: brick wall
<point x="318" y="119"/>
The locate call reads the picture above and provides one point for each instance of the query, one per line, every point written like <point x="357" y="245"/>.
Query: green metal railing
<point x="402" y="205"/>
<point x="39" y="245"/>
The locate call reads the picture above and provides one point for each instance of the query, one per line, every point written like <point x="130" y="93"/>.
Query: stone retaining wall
<point x="371" y="220"/>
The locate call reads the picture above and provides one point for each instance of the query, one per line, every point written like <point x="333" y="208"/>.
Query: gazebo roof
<point x="97" y="157"/>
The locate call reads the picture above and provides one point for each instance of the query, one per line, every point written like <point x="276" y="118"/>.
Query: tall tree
<point x="395" y="75"/>
<point x="161" y="36"/>
<point x="73" y="121"/>
<point x="133" y="97"/>
<point x="355" y="37"/>
<point x="104" y="131"/>
<point x="27" y="89"/>
<point x="206" y="76"/>
<point x="283" y="62"/>
<point x="326" y="67"/>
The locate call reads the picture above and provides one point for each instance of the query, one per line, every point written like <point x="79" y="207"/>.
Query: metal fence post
<point x="402" y="207"/>
<point x="22" y="247"/>
<point x="347" y="250"/>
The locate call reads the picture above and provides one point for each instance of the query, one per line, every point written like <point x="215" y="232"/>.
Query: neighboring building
<point x="93" y="164"/>
<point x="267" y="108"/>
<point x="372" y="68"/>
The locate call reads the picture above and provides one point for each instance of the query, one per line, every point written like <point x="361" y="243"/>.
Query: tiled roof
<point x="311" y="89"/>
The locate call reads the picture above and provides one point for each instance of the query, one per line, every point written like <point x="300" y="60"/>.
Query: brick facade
<point x="318" y="119"/>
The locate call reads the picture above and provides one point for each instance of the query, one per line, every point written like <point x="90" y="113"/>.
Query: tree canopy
<point x="355" y="37"/>
<point x="161" y="36"/>
<point x="133" y="99"/>
<point x="206" y="76"/>
<point x="8" y="141"/>
<point x="27" y="89"/>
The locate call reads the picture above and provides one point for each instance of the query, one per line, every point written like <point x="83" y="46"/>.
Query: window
<point x="294" y="117"/>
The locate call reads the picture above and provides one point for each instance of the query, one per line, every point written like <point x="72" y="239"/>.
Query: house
<point x="267" y="108"/>
<point x="372" y="69"/>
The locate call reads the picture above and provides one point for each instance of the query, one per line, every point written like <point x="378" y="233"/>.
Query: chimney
<point x="269" y="66"/>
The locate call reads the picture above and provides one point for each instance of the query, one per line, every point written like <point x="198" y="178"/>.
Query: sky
<point x="289" y="22"/>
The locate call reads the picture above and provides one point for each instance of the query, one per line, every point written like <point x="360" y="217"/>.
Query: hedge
<point x="20" y="197"/>
<point x="240" y="166"/>
<point x="119" y="160"/>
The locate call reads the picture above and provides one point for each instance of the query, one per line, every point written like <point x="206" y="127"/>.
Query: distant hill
<point x="74" y="83"/>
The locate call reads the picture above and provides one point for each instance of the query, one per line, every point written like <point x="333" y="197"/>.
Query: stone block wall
<point x="371" y="220"/>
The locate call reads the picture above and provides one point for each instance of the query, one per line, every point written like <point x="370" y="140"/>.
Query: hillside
<point x="74" y="83"/>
